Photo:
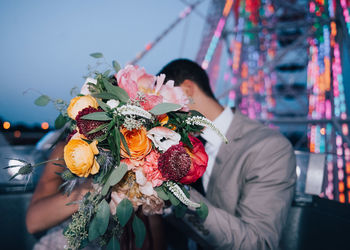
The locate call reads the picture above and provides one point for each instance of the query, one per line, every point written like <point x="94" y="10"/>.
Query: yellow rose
<point x="79" y="103"/>
<point x="80" y="157"/>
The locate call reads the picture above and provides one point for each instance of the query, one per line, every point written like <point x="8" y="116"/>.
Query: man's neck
<point x="210" y="108"/>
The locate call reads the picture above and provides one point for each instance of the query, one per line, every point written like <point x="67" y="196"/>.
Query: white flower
<point x="145" y="186"/>
<point x="163" y="138"/>
<point x="85" y="89"/>
<point x="113" y="103"/>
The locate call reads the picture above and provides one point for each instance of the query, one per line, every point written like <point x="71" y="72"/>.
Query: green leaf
<point x="97" y="116"/>
<point x="180" y="210"/>
<point x="202" y="211"/>
<point x="174" y="201"/>
<point x="96" y="55"/>
<point x="116" y="66"/>
<point x="124" y="211"/>
<point x="105" y="95"/>
<point x="117" y="142"/>
<point x="165" y="107"/>
<point x="99" y="223"/>
<point x="118" y="174"/>
<point x="124" y="143"/>
<point x="42" y="100"/>
<point x="195" y="113"/>
<point x="106" y="73"/>
<point x="60" y="121"/>
<point x="103" y="105"/>
<point x="113" y="244"/>
<point x="117" y="91"/>
<point x="161" y="194"/>
<point x="115" y="177"/>
<point x="139" y="230"/>
<point x="102" y="126"/>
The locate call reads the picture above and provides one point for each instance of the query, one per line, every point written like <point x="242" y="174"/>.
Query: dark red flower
<point x="85" y="126"/>
<point x="199" y="161"/>
<point x="174" y="163"/>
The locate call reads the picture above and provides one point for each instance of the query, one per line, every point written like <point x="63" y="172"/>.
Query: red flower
<point x="87" y="125"/>
<point x="174" y="163"/>
<point x="199" y="161"/>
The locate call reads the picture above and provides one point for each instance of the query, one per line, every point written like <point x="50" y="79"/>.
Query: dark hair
<point x="180" y="70"/>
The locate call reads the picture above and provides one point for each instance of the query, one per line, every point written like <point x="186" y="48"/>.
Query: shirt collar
<point x="222" y="122"/>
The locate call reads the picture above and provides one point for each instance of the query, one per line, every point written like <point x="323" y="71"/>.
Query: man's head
<point x="194" y="82"/>
<point x="181" y="70"/>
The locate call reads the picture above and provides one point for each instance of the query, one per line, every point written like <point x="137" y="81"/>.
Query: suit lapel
<point x="234" y="133"/>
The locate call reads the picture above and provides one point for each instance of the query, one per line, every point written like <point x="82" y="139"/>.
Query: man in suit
<point x="249" y="182"/>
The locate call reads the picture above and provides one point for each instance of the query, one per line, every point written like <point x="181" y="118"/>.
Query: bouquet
<point x="134" y="136"/>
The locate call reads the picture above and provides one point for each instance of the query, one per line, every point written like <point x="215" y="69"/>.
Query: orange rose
<point x="80" y="157"/>
<point x="138" y="143"/>
<point x="79" y="103"/>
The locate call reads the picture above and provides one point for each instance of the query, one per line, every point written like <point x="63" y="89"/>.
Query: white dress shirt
<point x="222" y="122"/>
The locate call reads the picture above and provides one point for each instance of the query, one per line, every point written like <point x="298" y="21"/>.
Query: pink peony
<point x="133" y="79"/>
<point x="174" y="95"/>
<point x="151" y="170"/>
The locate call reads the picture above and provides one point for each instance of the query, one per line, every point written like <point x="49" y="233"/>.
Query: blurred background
<point x="285" y="63"/>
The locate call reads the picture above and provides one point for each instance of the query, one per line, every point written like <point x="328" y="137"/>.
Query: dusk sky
<point x="45" y="45"/>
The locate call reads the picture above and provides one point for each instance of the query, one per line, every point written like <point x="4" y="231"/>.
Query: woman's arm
<point x="48" y="206"/>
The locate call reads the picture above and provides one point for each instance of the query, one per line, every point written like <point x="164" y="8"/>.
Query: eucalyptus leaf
<point x="42" y="100"/>
<point x="118" y="174"/>
<point x="180" y="210"/>
<point x="115" y="177"/>
<point x="103" y="105"/>
<point x="113" y="244"/>
<point x="99" y="128"/>
<point x="105" y="95"/>
<point x="202" y="211"/>
<point x="124" y="211"/>
<point x="161" y="194"/>
<point x="93" y="230"/>
<point x="97" y="116"/>
<point x="96" y="55"/>
<point x="100" y="222"/>
<point x="106" y="73"/>
<point x="165" y="107"/>
<point x="139" y="230"/>
<point x="174" y="201"/>
<point x="102" y="215"/>
<point x="116" y="66"/>
<point x="117" y="91"/>
<point x="117" y="142"/>
<point x="124" y="143"/>
<point x="60" y="121"/>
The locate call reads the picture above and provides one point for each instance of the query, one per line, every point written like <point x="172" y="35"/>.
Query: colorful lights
<point x="44" y="125"/>
<point x="6" y="125"/>
<point x="217" y="35"/>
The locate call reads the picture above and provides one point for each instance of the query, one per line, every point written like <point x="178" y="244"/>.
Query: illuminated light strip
<point x="217" y="34"/>
<point x="346" y="14"/>
<point x="183" y="14"/>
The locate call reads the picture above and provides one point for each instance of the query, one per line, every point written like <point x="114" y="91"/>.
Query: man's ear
<point x="189" y="87"/>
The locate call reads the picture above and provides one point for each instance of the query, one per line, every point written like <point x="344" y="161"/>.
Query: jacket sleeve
<point x="262" y="209"/>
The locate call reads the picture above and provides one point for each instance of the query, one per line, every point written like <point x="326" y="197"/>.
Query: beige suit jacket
<point x="250" y="189"/>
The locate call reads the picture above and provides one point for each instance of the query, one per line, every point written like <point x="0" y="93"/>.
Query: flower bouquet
<point x="133" y="135"/>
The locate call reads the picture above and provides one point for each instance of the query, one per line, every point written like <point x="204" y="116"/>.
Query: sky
<point x="45" y="45"/>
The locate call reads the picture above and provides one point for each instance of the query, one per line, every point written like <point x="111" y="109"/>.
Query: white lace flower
<point x="134" y="110"/>
<point x="202" y="121"/>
